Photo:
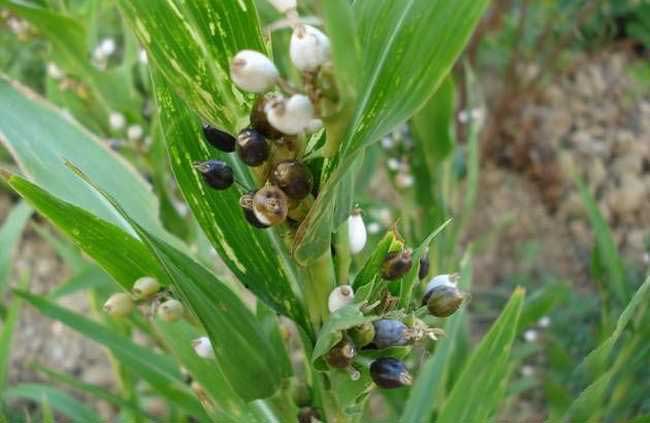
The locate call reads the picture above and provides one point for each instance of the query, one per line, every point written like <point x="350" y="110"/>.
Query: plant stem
<point x="343" y="258"/>
<point x="319" y="284"/>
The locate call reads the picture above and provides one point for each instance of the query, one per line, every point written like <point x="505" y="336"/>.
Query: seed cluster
<point x="280" y="119"/>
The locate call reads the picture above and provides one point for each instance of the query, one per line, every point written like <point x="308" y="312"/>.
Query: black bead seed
<point x="389" y="372"/>
<point x="294" y="178"/>
<point x="259" y="121"/>
<point x="396" y="265"/>
<point x="219" y="139"/>
<point x="216" y="174"/>
<point x="252" y="147"/>
<point x="424" y="267"/>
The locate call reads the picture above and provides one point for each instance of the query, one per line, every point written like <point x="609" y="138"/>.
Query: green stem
<point x="319" y="284"/>
<point x="343" y="258"/>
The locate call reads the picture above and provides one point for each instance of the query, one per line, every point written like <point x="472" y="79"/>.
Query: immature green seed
<point x="363" y="334"/>
<point x="145" y="287"/>
<point x="171" y="310"/>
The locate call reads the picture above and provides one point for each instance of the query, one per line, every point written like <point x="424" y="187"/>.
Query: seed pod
<point x="119" y="305"/>
<point x="340" y="297"/>
<point x="363" y="334"/>
<point x="252" y="147"/>
<point x="390" y="333"/>
<point x="290" y="116"/>
<point x="216" y="174"/>
<point x="309" y="48"/>
<point x="396" y="265"/>
<point x="270" y="205"/>
<point x="424" y="267"/>
<point x="203" y="347"/>
<point x="341" y="354"/>
<point x="145" y="287"/>
<point x="283" y="6"/>
<point x="171" y="310"/>
<point x="258" y="119"/>
<point x="442" y="297"/>
<point x="252" y="71"/>
<point x="219" y="139"/>
<point x="389" y="372"/>
<point x="356" y="232"/>
<point x="293" y="177"/>
<point x="439" y="280"/>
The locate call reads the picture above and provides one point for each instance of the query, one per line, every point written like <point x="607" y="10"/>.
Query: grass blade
<point x="58" y="400"/>
<point x="10" y="234"/>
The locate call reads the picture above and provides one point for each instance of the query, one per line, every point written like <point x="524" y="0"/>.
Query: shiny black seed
<point x="294" y="178"/>
<point x="389" y="372"/>
<point x="252" y="147"/>
<point x="390" y="333"/>
<point x="396" y="265"/>
<point x="216" y="173"/>
<point x="259" y="121"/>
<point x="218" y="138"/>
<point x="246" y="203"/>
<point x="424" y="267"/>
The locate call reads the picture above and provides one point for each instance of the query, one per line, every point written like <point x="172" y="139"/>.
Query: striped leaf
<point x="408" y="49"/>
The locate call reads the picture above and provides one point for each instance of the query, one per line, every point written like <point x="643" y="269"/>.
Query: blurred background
<point x="546" y="158"/>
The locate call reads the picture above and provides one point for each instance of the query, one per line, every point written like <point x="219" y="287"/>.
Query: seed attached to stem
<point x="391" y="333"/>
<point x="340" y="297"/>
<point x="270" y="205"/>
<point x="389" y="372"/>
<point x="219" y="139"/>
<point x="363" y="334"/>
<point x="423" y="271"/>
<point x="119" y="305"/>
<point x="171" y="310"/>
<point x="252" y="147"/>
<point x="293" y="177"/>
<point x="246" y="203"/>
<point x="309" y="48"/>
<point x="259" y="121"/>
<point x="290" y="116"/>
<point x="145" y="287"/>
<point x="396" y="265"/>
<point x="216" y="173"/>
<point x="442" y="297"/>
<point x="341" y="355"/>
<point x="252" y="71"/>
<point x="203" y="347"/>
<point x="356" y="232"/>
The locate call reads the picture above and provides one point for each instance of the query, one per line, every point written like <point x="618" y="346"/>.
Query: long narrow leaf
<point x="58" y="400"/>
<point x="10" y="233"/>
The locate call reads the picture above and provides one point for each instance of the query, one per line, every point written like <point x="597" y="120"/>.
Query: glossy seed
<point x="293" y="177"/>
<point x="396" y="265"/>
<point x="258" y="119"/>
<point x="423" y="271"/>
<point x="390" y="333"/>
<point x="444" y="300"/>
<point x="270" y="205"/>
<point x="216" y="173"/>
<point x="340" y="297"/>
<point x="171" y="310"/>
<point x="363" y="334"/>
<point x="357" y="234"/>
<point x="246" y="203"/>
<point x="389" y="373"/>
<point x="341" y="355"/>
<point x="219" y="139"/>
<point x="252" y="147"/>
<point x="145" y="287"/>
<point x="119" y="305"/>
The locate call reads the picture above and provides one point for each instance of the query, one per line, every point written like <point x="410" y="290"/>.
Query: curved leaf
<point x="191" y="42"/>
<point x="57" y="399"/>
<point x="10" y="233"/>
<point x="409" y="47"/>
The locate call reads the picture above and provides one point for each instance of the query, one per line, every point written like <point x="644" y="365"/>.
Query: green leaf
<point x="605" y="246"/>
<point x="191" y="45"/>
<point x="433" y="375"/>
<point x="346" y="50"/>
<point x="158" y="370"/>
<point x="257" y="257"/>
<point x="90" y="389"/>
<point x="541" y="302"/>
<point x="9" y="324"/>
<point x="120" y="254"/>
<point x="270" y="326"/>
<point x="371" y="270"/>
<point x="58" y="400"/>
<point x="332" y="331"/>
<point x="10" y="234"/>
<point x="409" y="48"/>
<point x="40" y="138"/>
<point x="90" y="277"/>
<point x="485" y="371"/>
<point x="597" y="358"/>
<point x="433" y="123"/>
<point x="588" y="405"/>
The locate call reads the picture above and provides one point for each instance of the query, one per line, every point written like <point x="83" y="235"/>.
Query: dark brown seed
<point x="341" y="355"/>
<point x="423" y="271"/>
<point x="396" y="265"/>
<point x="246" y="203"/>
<point x="389" y="373"/>
<point x="443" y="300"/>
<point x="259" y="121"/>
<point x="252" y="147"/>
<point x="294" y="178"/>
<point x="216" y="174"/>
<point x="218" y="138"/>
